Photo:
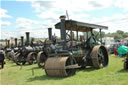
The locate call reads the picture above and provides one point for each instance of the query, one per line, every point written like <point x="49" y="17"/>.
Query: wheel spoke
<point x="101" y="57"/>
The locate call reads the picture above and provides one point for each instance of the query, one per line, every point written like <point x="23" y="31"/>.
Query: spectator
<point x="115" y="51"/>
<point x="2" y="57"/>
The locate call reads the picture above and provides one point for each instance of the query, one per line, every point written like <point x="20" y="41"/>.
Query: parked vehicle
<point x="68" y="54"/>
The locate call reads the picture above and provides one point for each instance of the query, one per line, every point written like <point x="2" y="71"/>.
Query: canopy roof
<point x="79" y="26"/>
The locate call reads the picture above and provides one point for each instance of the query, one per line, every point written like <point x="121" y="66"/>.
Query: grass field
<point x="114" y="74"/>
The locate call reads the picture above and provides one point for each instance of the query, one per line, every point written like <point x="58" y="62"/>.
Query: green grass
<point x="114" y="74"/>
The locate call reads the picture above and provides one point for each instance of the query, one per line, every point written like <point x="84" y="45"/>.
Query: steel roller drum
<point x="56" y="66"/>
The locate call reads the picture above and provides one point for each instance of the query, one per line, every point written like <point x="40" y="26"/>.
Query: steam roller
<point x="27" y="52"/>
<point x="10" y="50"/>
<point x="63" y="56"/>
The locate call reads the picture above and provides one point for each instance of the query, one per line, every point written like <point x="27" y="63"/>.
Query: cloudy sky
<point x="35" y="16"/>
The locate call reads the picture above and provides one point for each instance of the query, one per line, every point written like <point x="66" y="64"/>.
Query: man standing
<point x="2" y="57"/>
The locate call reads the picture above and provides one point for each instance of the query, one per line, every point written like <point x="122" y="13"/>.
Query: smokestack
<point x="27" y="38"/>
<point x="15" y="42"/>
<point x="63" y="28"/>
<point x="63" y="31"/>
<point x="22" y="40"/>
<point x="50" y="33"/>
<point x="8" y="43"/>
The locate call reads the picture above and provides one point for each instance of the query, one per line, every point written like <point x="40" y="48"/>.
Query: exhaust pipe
<point x="27" y="38"/>
<point x="15" y="42"/>
<point x="50" y="33"/>
<point x="22" y="41"/>
<point x="63" y="30"/>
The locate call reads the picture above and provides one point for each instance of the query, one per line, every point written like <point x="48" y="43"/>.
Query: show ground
<point x="114" y="74"/>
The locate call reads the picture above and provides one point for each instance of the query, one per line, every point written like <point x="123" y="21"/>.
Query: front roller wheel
<point x="99" y="57"/>
<point x="31" y="58"/>
<point x="41" y="58"/>
<point x="18" y="59"/>
<point x="60" y="66"/>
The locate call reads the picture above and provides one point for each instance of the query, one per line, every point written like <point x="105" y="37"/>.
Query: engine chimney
<point x="15" y="42"/>
<point x="22" y="40"/>
<point x="63" y="30"/>
<point x="27" y="38"/>
<point x="50" y="33"/>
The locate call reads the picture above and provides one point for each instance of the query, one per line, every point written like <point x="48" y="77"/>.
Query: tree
<point x="117" y="36"/>
<point x="120" y="32"/>
<point x="125" y="35"/>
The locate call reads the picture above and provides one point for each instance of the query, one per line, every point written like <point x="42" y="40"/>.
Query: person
<point x="2" y="57"/>
<point x="115" y="51"/>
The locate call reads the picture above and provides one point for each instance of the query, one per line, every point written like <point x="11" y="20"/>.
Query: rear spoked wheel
<point x="19" y="59"/>
<point x="99" y="57"/>
<point x="31" y="58"/>
<point x="41" y="58"/>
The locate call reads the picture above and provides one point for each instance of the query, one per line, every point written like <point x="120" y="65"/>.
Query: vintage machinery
<point x="15" y="50"/>
<point x="8" y="49"/>
<point x="16" y="46"/>
<point x="27" y="52"/>
<point x="18" y="57"/>
<point x="126" y="62"/>
<point x="123" y="50"/>
<point x="43" y="55"/>
<point x="66" y="55"/>
<point x="32" y="56"/>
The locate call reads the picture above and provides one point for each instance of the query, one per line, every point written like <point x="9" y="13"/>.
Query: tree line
<point x="119" y="34"/>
